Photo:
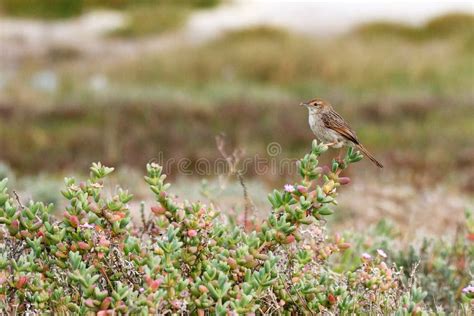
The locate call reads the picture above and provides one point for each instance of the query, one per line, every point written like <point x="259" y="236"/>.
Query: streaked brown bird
<point x="331" y="129"/>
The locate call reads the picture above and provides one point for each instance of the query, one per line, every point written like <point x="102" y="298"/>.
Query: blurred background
<point x="128" y="81"/>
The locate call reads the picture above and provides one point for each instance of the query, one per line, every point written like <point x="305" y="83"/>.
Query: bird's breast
<point x="319" y="129"/>
<point x="316" y="124"/>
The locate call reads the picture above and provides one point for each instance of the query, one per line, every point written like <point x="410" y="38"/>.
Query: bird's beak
<point x="303" y="104"/>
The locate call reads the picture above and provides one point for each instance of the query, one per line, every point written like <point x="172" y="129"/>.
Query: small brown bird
<point x="330" y="128"/>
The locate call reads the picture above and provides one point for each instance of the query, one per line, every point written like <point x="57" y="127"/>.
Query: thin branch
<point x="18" y="200"/>
<point x="232" y="161"/>
<point x="281" y="275"/>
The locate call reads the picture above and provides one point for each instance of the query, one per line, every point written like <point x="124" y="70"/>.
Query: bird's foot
<point x="340" y="158"/>
<point x="330" y="144"/>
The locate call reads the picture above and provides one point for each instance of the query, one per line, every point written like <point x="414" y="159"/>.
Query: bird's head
<point x="315" y="104"/>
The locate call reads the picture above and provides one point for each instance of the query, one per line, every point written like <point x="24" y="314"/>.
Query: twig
<point x="18" y="200"/>
<point x="298" y="293"/>
<point x="412" y="279"/>
<point x="249" y="206"/>
<point x="232" y="161"/>
<point x="142" y="216"/>
<point x="106" y="277"/>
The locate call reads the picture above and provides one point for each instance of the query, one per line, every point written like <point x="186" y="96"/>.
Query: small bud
<point x="158" y="210"/>
<point x="83" y="245"/>
<point x="332" y="299"/>
<point x="106" y="303"/>
<point x="104" y="242"/>
<point x="203" y="289"/>
<point x="155" y="284"/>
<point x="192" y="233"/>
<point x="231" y="262"/>
<point x="26" y="234"/>
<point x="344" y="246"/>
<point x="21" y="282"/>
<point x="94" y="208"/>
<point x="74" y="221"/>
<point x="302" y="189"/>
<point x="15" y="224"/>
<point x="344" y="180"/>
<point x="89" y="302"/>
<point x="290" y="239"/>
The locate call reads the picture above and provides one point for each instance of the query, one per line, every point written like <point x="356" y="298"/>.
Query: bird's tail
<point x="369" y="155"/>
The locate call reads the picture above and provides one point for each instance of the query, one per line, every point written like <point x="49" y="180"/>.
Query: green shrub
<point x="51" y="9"/>
<point x="453" y="24"/>
<point x="55" y="9"/>
<point x="146" y="20"/>
<point x="184" y="259"/>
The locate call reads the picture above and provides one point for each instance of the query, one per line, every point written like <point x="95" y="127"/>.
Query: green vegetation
<point x="144" y="17"/>
<point x="145" y="20"/>
<point x="60" y="9"/>
<point x="455" y="24"/>
<point x="51" y="9"/>
<point x="183" y="258"/>
<point x="397" y="92"/>
<point x="153" y="17"/>
<point x="129" y="127"/>
<point x="354" y="64"/>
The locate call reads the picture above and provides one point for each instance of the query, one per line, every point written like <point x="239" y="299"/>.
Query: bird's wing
<point x="335" y="122"/>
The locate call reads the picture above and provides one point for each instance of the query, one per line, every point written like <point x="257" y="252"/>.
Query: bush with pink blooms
<point x="185" y="258"/>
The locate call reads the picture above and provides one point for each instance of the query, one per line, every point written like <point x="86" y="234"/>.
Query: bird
<point x="331" y="129"/>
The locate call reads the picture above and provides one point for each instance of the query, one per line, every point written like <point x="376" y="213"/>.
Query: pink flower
<point x="89" y="302"/>
<point x="302" y="189"/>
<point x="104" y="242"/>
<point x="366" y="256"/>
<point x="468" y="289"/>
<point x="87" y="225"/>
<point x="192" y="233"/>
<point x="289" y="188"/>
<point x="381" y="253"/>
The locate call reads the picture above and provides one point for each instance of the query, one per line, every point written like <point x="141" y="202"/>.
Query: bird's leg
<point x="330" y="144"/>
<point x="340" y="154"/>
<point x="339" y="159"/>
